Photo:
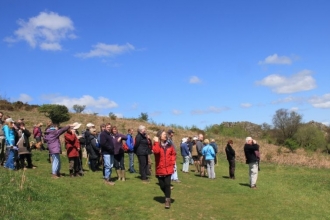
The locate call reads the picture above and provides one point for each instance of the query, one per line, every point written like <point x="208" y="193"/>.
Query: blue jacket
<point x="208" y="152"/>
<point x="184" y="149"/>
<point x="130" y="142"/>
<point x="9" y="135"/>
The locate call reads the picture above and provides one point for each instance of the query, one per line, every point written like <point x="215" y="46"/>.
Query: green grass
<point x="284" y="192"/>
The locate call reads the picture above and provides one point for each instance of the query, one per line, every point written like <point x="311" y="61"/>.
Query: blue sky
<point x="182" y="62"/>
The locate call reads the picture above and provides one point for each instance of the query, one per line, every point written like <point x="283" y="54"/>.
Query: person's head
<point x="130" y="131"/>
<point x="93" y="131"/>
<point x="200" y="137"/>
<point x="206" y="141"/>
<point x="108" y="127"/>
<point x="53" y="126"/>
<point x="114" y="130"/>
<point x="230" y="142"/>
<point x="212" y="140"/>
<point x="170" y="133"/>
<point x="184" y="140"/>
<point x="21" y="125"/>
<point x="1" y="115"/>
<point x="10" y="122"/>
<point x="40" y="125"/>
<point x="142" y="129"/>
<point x="162" y="136"/>
<point x="102" y="127"/>
<point x="90" y="125"/>
<point x="249" y="140"/>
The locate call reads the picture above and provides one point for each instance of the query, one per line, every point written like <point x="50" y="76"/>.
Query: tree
<point x="112" y="116"/>
<point x="56" y="113"/>
<point x="286" y="124"/>
<point x="79" y="108"/>
<point x="310" y="137"/>
<point x="143" y="116"/>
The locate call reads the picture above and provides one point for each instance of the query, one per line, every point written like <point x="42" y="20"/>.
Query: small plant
<point x="143" y="116"/>
<point x="79" y="108"/>
<point x="112" y="116"/>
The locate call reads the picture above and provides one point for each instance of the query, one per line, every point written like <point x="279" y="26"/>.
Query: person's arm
<point x="62" y="130"/>
<point x="26" y="132"/>
<point x="137" y="141"/>
<point x="156" y="146"/>
<point x="6" y="131"/>
<point x="94" y="144"/>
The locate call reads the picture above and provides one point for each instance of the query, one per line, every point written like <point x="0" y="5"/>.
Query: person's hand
<point x="155" y="139"/>
<point x="254" y="141"/>
<point x="119" y="139"/>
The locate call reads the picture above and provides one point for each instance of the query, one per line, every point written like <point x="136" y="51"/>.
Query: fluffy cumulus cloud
<point x="302" y="81"/>
<point x="176" y="112"/>
<point x="106" y="50"/>
<point x="275" y="59"/>
<point x="288" y="99"/>
<point x="45" y="31"/>
<point x="246" y="105"/>
<point x="320" y="101"/>
<point x="194" y="80"/>
<point x="87" y="100"/>
<point x="211" y="109"/>
<point x="24" y="98"/>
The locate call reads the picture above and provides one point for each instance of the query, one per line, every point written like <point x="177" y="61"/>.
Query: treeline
<point x="287" y="130"/>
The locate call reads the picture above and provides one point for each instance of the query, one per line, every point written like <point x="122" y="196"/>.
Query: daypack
<point x="125" y="146"/>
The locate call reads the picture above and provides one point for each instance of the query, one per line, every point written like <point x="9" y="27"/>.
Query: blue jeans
<point x="56" y="164"/>
<point x="131" y="162"/>
<point x="108" y="164"/>
<point x="10" y="159"/>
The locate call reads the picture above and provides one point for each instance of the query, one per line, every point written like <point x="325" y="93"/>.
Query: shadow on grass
<point x="225" y="177"/>
<point x="161" y="199"/>
<point x="198" y="175"/>
<point x="244" y="184"/>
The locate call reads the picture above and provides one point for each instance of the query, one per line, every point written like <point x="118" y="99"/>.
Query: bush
<point x="56" y="113"/>
<point x="291" y="144"/>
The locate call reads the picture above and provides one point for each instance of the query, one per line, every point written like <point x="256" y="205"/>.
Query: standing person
<point x="185" y="155"/>
<point x="194" y="154"/>
<point x="118" y="153"/>
<point x="165" y="157"/>
<point x="8" y="130"/>
<point x="107" y="150"/>
<point x="201" y="163"/>
<point x="24" y="148"/>
<point x="215" y="148"/>
<point x="209" y="155"/>
<point x="230" y="153"/>
<point x="37" y="134"/>
<point x="52" y="137"/>
<point x="175" y="177"/>
<point x="251" y="149"/>
<point x="2" y="141"/>
<point x="190" y="145"/>
<point x="130" y="152"/>
<point x="93" y="150"/>
<point x="72" y="146"/>
<point x="149" y="155"/>
<point x="141" y="149"/>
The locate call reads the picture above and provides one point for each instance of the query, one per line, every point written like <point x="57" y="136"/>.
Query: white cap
<point x="76" y="125"/>
<point x="89" y="125"/>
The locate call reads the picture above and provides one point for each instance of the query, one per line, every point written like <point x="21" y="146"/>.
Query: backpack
<point x="82" y="139"/>
<point x="124" y="146"/>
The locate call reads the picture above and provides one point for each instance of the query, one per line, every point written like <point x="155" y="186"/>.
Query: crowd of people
<point x="106" y="150"/>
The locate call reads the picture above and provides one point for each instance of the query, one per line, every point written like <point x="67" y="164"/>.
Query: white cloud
<point x="106" y="50"/>
<point x="211" y="109"/>
<point x="194" y="80"/>
<point x="119" y="115"/>
<point x="46" y="30"/>
<point x="275" y="59"/>
<point x="326" y="123"/>
<point x="176" y="112"/>
<point x="24" y="98"/>
<point x="155" y="113"/>
<point x="320" y="102"/>
<point x="246" y="105"/>
<point x="135" y="106"/>
<point x="294" y="109"/>
<point x="302" y="81"/>
<point x="89" y="101"/>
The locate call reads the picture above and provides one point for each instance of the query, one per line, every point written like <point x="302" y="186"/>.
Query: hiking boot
<point x="146" y="181"/>
<point x="167" y="203"/>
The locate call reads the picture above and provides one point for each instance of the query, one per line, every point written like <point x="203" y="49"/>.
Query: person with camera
<point x="251" y="150"/>
<point x="165" y="157"/>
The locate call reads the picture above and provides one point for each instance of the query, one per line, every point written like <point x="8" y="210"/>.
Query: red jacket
<point x="164" y="159"/>
<point x="72" y="144"/>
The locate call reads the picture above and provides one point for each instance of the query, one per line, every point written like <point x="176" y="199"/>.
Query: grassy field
<point x="284" y="192"/>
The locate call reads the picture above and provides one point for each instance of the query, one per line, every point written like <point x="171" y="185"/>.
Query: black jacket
<point x="106" y="143"/>
<point x="141" y="147"/>
<point x="92" y="149"/>
<point x="230" y="152"/>
<point x="250" y="154"/>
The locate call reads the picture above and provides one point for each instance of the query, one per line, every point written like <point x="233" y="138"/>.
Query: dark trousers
<point x="2" y="151"/>
<point x="165" y="185"/>
<point x="74" y="164"/>
<point x="93" y="164"/>
<point x="231" y="168"/>
<point x="22" y="158"/>
<point x="119" y="162"/>
<point x="143" y="166"/>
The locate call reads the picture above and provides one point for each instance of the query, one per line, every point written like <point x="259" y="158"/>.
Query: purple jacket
<point x="52" y="138"/>
<point x="118" y="145"/>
